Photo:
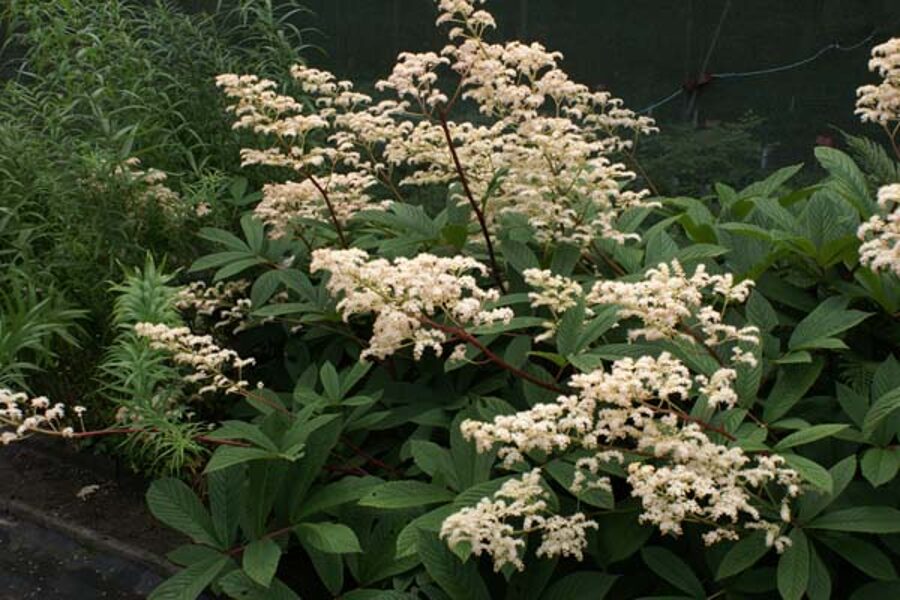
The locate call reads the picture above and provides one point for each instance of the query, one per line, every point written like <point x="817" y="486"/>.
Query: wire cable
<point x="787" y="67"/>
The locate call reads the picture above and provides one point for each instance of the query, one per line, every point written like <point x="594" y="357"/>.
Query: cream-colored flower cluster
<point x="669" y="303"/>
<point x="406" y="294"/>
<point x="287" y="205"/>
<point x="543" y="148"/>
<point x="639" y="407"/>
<point x="880" y="250"/>
<point x="550" y="137"/>
<point x="224" y="306"/>
<point x="488" y="526"/>
<point x="153" y="183"/>
<point x="880" y="104"/>
<point x="554" y="292"/>
<point x="22" y="416"/>
<point x="210" y="365"/>
<point x="226" y="301"/>
<point x="298" y="133"/>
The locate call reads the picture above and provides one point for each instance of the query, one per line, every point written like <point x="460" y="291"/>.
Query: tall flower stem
<point x="470" y="339"/>
<point x="331" y="212"/>
<point x="479" y="214"/>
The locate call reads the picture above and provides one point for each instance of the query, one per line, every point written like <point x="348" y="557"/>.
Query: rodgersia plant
<point x="545" y="388"/>
<point x="540" y="377"/>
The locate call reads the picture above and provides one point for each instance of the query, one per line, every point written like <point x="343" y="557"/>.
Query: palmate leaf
<point x="880" y="465"/>
<point x="861" y="554"/>
<point x="332" y="495"/>
<point x="581" y="586"/>
<point x="224" y="503"/>
<point x="814" y="502"/>
<point x="239" y="586"/>
<point x="819" y="586"/>
<point x="848" y="180"/>
<point x="809" y="435"/>
<point x="880" y="410"/>
<point x="228" y="456"/>
<point x="811" y="471"/>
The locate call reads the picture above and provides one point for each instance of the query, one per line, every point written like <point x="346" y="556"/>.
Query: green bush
<point x="114" y="142"/>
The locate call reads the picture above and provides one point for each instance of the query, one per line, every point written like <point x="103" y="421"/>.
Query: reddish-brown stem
<point x="267" y="402"/>
<point x="694" y="336"/>
<point x="612" y="264"/>
<point x="272" y="534"/>
<point x="346" y="470"/>
<point x="640" y="169"/>
<point x="479" y="214"/>
<point x="892" y="136"/>
<point x="334" y="219"/>
<point x="703" y="424"/>
<point x="467" y="337"/>
<point x="128" y="430"/>
<point x="369" y="458"/>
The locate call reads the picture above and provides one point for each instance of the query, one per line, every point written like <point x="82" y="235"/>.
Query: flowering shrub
<point x="550" y="387"/>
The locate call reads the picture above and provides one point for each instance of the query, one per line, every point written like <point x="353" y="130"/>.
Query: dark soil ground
<point x="38" y="560"/>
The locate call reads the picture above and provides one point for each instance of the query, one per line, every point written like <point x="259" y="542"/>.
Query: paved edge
<point x="89" y="537"/>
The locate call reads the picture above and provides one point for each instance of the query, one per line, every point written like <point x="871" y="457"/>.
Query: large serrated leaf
<point x="240" y="587"/>
<point x="811" y="471"/>
<point x="405" y="494"/>
<point x="743" y="555"/>
<point x="175" y="504"/>
<point x="260" y="560"/>
<point x="829" y="319"/>
<point x="673" y="569"/>
<point x="330" y="538"/>
<point x="581" y="586"/>
<point x="190" y="583"/>
<point x="880" y="465"/>
<point x="809" y="435"/>
<point x="227" y="456"/>
<point x="459" y="581"/>
<point x="880" y="410"/>
<point x="793" y="567"/>
<point x="862" y="519"/>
